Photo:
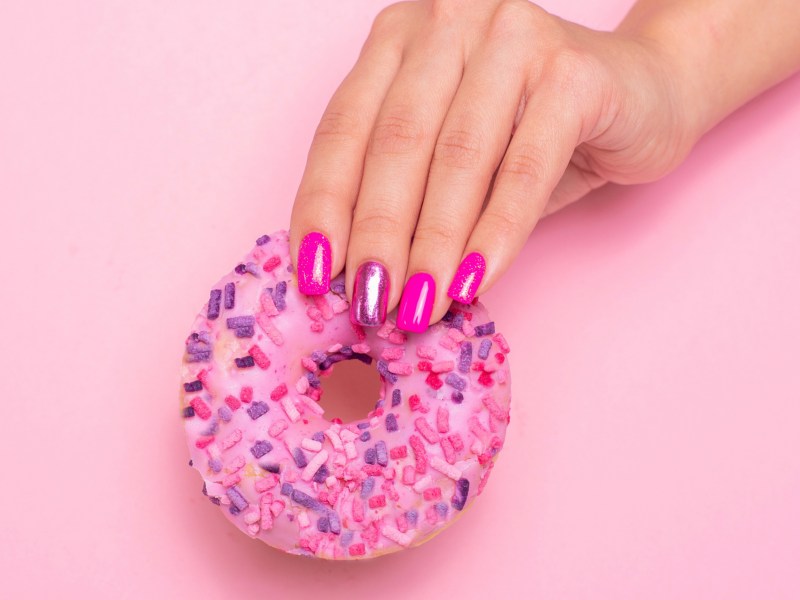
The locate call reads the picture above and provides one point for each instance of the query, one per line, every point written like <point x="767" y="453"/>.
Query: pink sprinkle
<point x="443" y="366"/>
<point x="203" y="377"/>
<point x="276" y="508"/>
<point x="232" y="402"/>
<point x="322" y="304"/>
<point x="468" y="328"/>
<point x="268" y="305"/>
<point x="314" y="313"/>
<point x="339" y="306"/>
<point x="447" y="342"/>
<point x="359" y="331"/>
<point x="398" y="337"/>
<point x="200" y="408"/>
<point x="476" y="427"/>
<point x="237" y="463"/>
<point x="388" y="487"/>
<point x="377" y="501"/>
<point x="358" y="509"/>
<point x="202" y="442"/>
<point x="458" y="443"/>
<point x="408" y="475"/>
<point x="424" y="365"/>
<point x="485" y="379"/>
<point x="400" y="368"/>
<point x="428" y="352"/>
<point x="443" y="419"/>
<point x="485" y="477"/>
<point x="272" y="332"/>
<point x="388" y="473"/>
<point x="447" y="449"/>
<point x="258" y="355"/>
<point x="246" y="394"/>
<point x="398" y="452"/>
<point x="433" y="493"/>
<point x="271" y="263"/>
<point x="420" y="456"/>
<point x="302" y="385"/>
<point x="501" y="377"/>
<point x="309" y="365"/>
<point x="266" y="513"/>
<point x="361" y="348"/>
<point x="497" y="412"/>
<point x="431" y="516"/>
<point x="277" y="428"/>
<point x="269" y="481"/>
<point x="279" y="392"/>
<point x="231" y="480"/>
<point x="234" y="438"/>
<point x="433" y="381"/>
<point x="392" y="353"/>
<point x="402" y="523"/>
<point x="455" y="335"/>
<point x="372" y="469"/>
<point x="425" y="430"/>
<point x="415" y="403"/>
<point x="357" y="550"/>
<point x="317" y="327"/>
<point x="501" y="341"/>
<point x="385" y="329"/>
<point x="335" y="348"/>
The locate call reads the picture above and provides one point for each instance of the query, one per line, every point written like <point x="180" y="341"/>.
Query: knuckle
<point x="437" y="235"/>
<point x="388" y="19"/>
<point x="445" y="10"/>
<point x="374" y="225"/>
<point x="397" y="132"/>
<point x="576" y="70"/>
<point x="504" y="222"/>
<point x="515" y="18"/>
<point x="336" y="126"/>
<point x="526" y="166"/>
<point x="318" y="196"/>
<point x="457" y="149"/>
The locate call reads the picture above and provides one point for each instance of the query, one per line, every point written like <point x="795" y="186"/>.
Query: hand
<point x="460" y="125"/>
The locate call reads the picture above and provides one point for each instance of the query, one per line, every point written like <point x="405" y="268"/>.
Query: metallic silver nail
<point x="370" y="294"/>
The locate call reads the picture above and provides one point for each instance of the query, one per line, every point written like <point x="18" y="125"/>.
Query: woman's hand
<point x="460" y="125"/>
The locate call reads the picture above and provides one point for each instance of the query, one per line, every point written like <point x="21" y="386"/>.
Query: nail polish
<point x="370" y="294"/>
<point x="467" y="278"/>
<point x="416" y="304"/>
<point x="314" y="264"/>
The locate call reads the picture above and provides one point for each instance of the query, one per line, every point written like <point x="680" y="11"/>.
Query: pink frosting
<point x="282" y="472"/>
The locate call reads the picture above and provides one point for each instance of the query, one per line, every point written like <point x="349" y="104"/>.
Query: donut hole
<point x="350" y="391"/>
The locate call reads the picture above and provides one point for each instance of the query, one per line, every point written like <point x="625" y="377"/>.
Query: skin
<point x="463" y="122"/>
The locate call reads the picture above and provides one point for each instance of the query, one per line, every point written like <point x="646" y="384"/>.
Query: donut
<point x="253" y="373"/>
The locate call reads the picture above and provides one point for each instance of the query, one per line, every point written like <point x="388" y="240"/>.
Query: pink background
<point x="654" y="450"/>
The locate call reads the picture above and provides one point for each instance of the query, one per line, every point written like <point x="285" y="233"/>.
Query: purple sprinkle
<point x="241" y="269"/>
<point x="395" y="397"/>
<point x="456" y="382"/>
<point x="346" y="351"/>
<point x="367" y="487"/>
<point x="335" y="523"/>
<point x="199" y="357"/>
<point x="271" y="467"/>
<point x="391" y="422"/>
<point x="225" y="413"/>
<point x="212" y="427"/>
<point x="313" y="380"/>
<point x="323" y="525"/>
<point x="322" y="474"/>
<point x="363" y="425"/>
<point x="257" y="409"/>
<point x="215" y="465"/>
<point x="383" y="369"/>
<point x="193" y="386"/>
<point x="346" y="538"/>
<point x="279" y="297"/>
<point x="319" y="437"/>
<point x="286" y="489"/>
<point x="411" y="517"/>
<point x="188" y="412"/>
<point x="299" y="458"/>
<point x="457" y="322"/>
<point x="365" y="437"/>
<point x="260" y="448"/>
<point x="251" y="268"/>
<point x="318" y="356"/>
<point x="290" y="268"/>
<point x="205" y="489"/>
<point x="483" y="351"/>
<point x="191" y="464"/>
<point x="441" y="508"/>
<point x="485" y="329"/>
<point x="460" y="496"/>
<point x="364" y="358"/>
<point x="370" y="456"/>
<point x="233" y="510"/>
<point x="448" y="316"/>
<point x="245" y="332"/>
<point x="230" y="295"/>
<point x="236" y="498"/>
<point x="337" y="285"/>
<point x="304" y="499"/>
<point x="262" y="240"/>
<point x="214" y="500"/>
<point x="383" y="456"/>
<point x="195" y="347"/>
<point x="465" y="357"/>
<point x="245" y="362"/>
<point x="237" y="322"/>
<point x="457" y="397"/>
<point x="379" y="403"/>
<point x="213" y="304"/>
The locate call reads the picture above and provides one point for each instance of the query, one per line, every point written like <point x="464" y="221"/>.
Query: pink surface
<point x="654" y="449"/>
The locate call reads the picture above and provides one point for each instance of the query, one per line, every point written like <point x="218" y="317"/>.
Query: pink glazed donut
<point x="280" y="471"/>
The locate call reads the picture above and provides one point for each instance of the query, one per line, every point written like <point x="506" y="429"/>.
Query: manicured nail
<point x="467" y="278"/>
<point x="416" y="304"/>
<point x="370" y="294"/>
<point x="314" y="264"/>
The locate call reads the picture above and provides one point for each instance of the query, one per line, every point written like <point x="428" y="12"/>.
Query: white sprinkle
<point x="350" y="450"/>
<point x="315" y="463"/>
<point x="310" y="445"/>
<point x="347" y="435"/>
<point x="303" y="520"/>
<point x="445" y="468"/>
<point x="395" y="535"/>
<point x="330" y="481"/>
<point x="423" y="484"/>
<point x="334" y="438"/>
<point x="290" y="409"/>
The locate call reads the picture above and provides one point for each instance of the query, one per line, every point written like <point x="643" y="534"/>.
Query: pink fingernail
<point x="467" y="278"/>
<point x="314" y="264"/>
<point x="416" y="304"/>
<point x="370" y="294"/>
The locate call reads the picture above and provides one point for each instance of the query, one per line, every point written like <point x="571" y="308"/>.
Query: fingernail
<point x="370" y="294"/>
<point x="416" y="304"/>
<point x="314" y="264"/>
<point x="467" y="278"/>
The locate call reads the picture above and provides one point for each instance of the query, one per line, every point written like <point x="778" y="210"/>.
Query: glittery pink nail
<point x="416" y="304"/>
<point x="467" y="278"/>
<point x="370" y="294"/>
<point x="314" y="264"/>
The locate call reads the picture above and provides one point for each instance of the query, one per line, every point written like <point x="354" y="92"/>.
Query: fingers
<point x="395" y="171"/>
<point x="322" y="212"/>
<point x="469" y="148"/>
<point x="534" y="162"/>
